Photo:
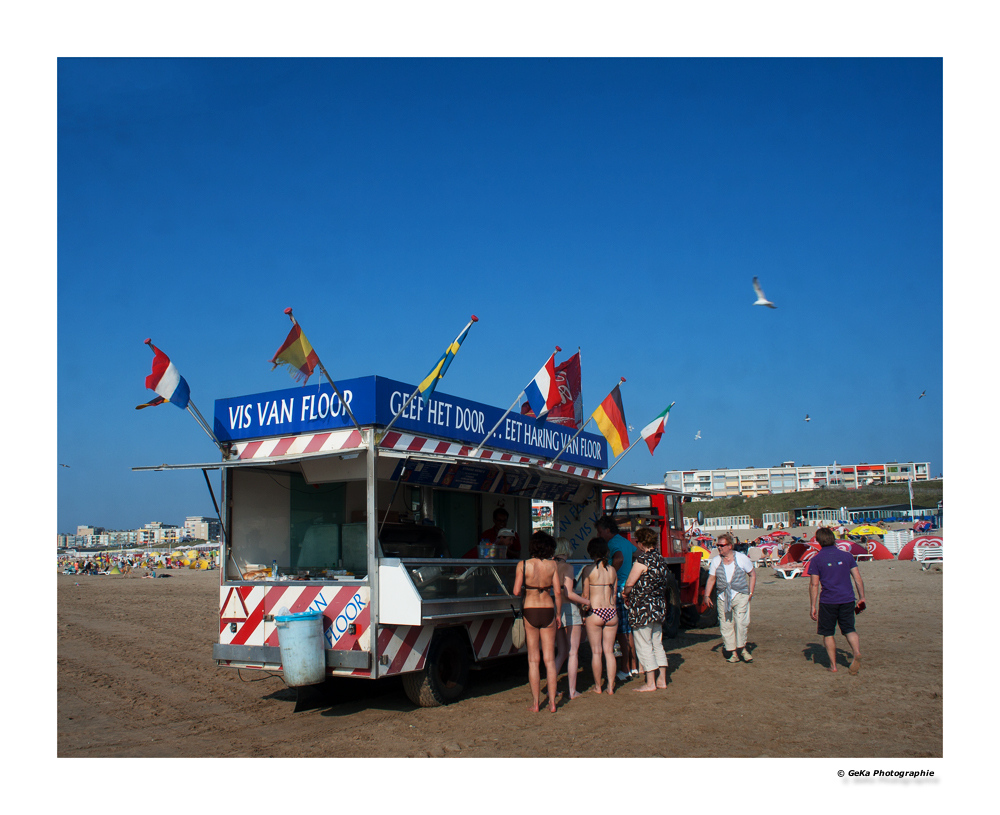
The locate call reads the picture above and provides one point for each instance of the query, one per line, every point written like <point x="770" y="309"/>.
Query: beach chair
<point x="756" y="554"/>
<point x="927" y="556"/>
<point x="788" y="570"/>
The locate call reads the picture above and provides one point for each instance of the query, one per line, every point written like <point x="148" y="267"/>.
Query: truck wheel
<point x="690" y="617"/>
<point x="672" y="623"/>
<point x="445" y="674"/>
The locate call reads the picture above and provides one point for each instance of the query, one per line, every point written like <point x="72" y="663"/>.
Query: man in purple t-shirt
<point x="833" y="569"/>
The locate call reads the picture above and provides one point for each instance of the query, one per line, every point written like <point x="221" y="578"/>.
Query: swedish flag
<point x="426" y="387"/>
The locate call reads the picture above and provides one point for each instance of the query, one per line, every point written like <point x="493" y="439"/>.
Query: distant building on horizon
<point x="155" y="533"/>
<point x="201" y="527"/>
<point x="751" y="482"/>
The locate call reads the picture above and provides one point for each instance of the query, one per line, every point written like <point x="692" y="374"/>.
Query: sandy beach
<point x="136" y="678"/>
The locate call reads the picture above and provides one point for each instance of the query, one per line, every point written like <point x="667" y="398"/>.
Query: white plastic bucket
<point x="300" y="638"/>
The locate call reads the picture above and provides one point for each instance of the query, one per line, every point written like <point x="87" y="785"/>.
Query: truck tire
<point x="446" y="671"/>
<point x="672" y="622"/>
<point x="690" y="617"/>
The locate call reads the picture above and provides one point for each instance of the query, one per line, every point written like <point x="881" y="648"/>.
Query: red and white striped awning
<point x="406" y="442"/>
<point x="304" y="444"/>
<point x="349" y="440"/>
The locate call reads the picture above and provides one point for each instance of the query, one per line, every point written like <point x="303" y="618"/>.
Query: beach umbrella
<point x="780" y="533"/>
<point x="852" y="547"/>
<point x="704" y="538"/>
<point x="867" y="529"/>
<point x="795" y="553"/>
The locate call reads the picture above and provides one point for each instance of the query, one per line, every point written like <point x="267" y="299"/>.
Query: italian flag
<point x="652" y="432"/>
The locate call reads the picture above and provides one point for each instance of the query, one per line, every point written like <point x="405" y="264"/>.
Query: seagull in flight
<point x="761" y="299"/>
<point x="921" y="394"/>
<point x="697" y="435"/>
<point x="807" y="418"/>
<point x="66" y="465"/>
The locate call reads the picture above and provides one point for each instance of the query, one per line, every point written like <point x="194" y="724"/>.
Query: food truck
<point x="374" y="517"/>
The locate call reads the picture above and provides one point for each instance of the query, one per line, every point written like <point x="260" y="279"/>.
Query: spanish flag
<point x="429" y="383"/>
<point x="297" y="354"/>
<point x="610" y="418"/>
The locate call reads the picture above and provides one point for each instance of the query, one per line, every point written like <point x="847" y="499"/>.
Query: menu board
<point x="461" y="476"/>
<point x="417" y="472"/>
<point x="552" y="491"/>
<point x="517" y="482"/>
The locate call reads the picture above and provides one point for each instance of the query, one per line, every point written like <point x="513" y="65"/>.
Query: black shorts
<point x="832" y="614"/>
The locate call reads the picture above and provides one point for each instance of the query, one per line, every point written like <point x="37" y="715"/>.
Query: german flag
<point x="610" y="418"/>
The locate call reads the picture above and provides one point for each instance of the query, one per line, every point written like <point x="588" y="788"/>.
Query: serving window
<point x="275" y="516"/>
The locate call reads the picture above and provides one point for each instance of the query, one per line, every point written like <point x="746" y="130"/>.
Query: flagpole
<point x="910" y="487"/>
<point x="578" y="432"/>
<point x="329" y="379"/>
<point x="193" y="410"/>
<point x="196" y="415"/>
<point x="406" y="404"/>
<point x="641" y="438"/>
<point x="621" y="456"/>
<point x="518" y="399"/>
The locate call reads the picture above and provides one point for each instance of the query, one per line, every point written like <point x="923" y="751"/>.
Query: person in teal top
<point x="620" y="552"/>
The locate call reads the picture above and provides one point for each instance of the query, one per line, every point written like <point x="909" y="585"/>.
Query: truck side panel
<point x="405" y="647"/>
<point x="246" y="616"/>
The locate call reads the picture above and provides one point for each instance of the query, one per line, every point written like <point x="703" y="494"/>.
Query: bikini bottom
<point x="539" y="617"/>
<point x="606" y="614"/>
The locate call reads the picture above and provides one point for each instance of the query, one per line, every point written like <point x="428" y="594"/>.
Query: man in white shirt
<point x="736" y="576"/>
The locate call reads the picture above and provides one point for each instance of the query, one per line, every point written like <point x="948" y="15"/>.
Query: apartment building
<point x="155" y="533"/>
<point x="786" y="477"/>
<point x="201" y="527"/>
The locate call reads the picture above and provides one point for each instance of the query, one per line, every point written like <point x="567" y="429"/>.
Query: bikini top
<point x="536" y="588"/>
<point x="592" y="583"/>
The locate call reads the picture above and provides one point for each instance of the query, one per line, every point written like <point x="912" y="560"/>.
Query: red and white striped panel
<point x="303" y="444"/>
<point x="418" y="444"/>
<point x="406" y="646"/>
<point x="342" y="606"/>
<point x="491" y="637"/>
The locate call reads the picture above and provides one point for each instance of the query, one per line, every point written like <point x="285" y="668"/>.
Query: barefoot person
<point x="645" y="595"/>
<point x="600" y="583"/>
<point x="832" y="569"/>
<point x="568" y="635"/>
<point x="621" y="552"/>
<point x="537" y="576"/>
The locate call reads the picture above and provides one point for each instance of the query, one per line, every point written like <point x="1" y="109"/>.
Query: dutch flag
<point x="542" y="393"/>
<point x="166" y="380"/>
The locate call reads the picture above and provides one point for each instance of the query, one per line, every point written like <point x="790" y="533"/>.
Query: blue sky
<point x="619" y="206"/>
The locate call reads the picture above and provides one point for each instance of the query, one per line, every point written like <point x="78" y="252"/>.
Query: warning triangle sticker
<point x="234" y="608"/>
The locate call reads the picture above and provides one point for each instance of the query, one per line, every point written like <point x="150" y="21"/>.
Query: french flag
<point x="542" y="392"/>
<point x="166" y="380"/>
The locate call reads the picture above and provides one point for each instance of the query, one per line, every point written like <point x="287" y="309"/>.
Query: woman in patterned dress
<point x="645" y="595"/>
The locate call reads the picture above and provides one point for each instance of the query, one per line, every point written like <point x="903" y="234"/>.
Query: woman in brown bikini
<point x="538" y="576"/>
<point x="600" y="589"/>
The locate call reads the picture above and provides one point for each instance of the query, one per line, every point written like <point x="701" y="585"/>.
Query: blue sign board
<point x="375" y="400"/>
